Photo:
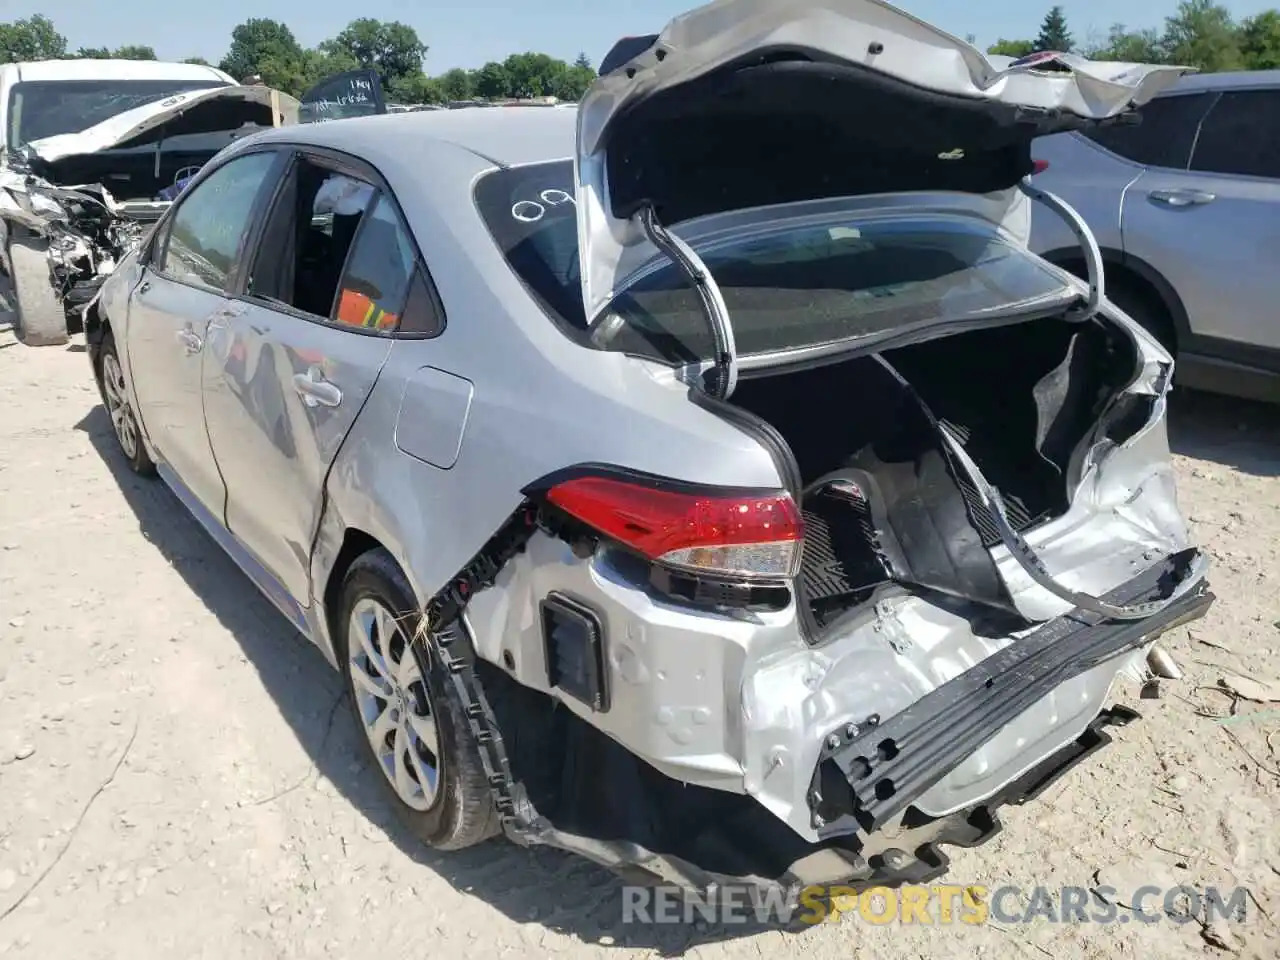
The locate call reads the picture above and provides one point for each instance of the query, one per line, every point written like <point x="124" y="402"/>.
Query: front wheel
<point x="414" y="724"/>
<point x="115" y="396"/>
<point x="41" y="319"/>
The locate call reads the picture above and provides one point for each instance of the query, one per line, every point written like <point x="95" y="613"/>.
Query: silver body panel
<point x="434" y="439"/>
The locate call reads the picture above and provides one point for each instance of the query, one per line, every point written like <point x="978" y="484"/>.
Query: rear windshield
<point x="792" y="288"/>
<point x="49" y="108"/>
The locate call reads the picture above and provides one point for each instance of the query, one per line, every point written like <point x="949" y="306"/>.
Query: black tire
<point x="462" y="813"/>
<point x="106" y="362"/>
<point x="41" y="320"/>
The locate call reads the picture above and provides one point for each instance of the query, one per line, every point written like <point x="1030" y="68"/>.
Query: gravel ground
<point x="175" y="780"/>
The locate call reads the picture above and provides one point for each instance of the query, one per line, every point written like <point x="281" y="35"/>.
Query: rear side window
<point x="379" y="271"/>
<point x="209" y="225"/>
<point x="1164" y="137"/>
<point x="1241" y="135"/>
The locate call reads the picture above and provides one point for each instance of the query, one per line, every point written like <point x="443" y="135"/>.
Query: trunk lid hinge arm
<point x="713" y="306"/>
<point x="1088" y="243"/>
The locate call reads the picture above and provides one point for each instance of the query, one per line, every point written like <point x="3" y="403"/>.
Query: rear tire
<point x="41" y="319"/>
<point x="413" y="724"/>
<point x="115" y="397"/>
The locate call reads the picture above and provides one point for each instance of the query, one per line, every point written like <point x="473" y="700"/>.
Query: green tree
<point x="572" y="82"/>
<point x="1260" y="41"/>
<point x="31" y="39"/>
<point x="491" y="81"/>
<point x="315" y="65"/>
<point x="1129" y="46"/>
<point x="198" y="60"/>
<point x="534" y="75"/>
<point x="134" y="51"/>
<point x="393" y="49"/>
<point x="1202" y="34"/>
<point x="418" y="88"/>
<point x="1012" y="48"/>
<point x="583" y="62"/>
<point x="1053" y="32"/>
<point x="457" y="84"/>
<point x="268" y="48"/>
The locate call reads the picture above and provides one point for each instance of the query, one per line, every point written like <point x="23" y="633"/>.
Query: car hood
<point x="750" y="103"/>
<point x="196" y="111"/>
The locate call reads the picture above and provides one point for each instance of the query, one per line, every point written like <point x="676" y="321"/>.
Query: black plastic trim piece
<point x="594" y="689"/>
<point x="966" y="828"/>
<point x="888" y="765"/>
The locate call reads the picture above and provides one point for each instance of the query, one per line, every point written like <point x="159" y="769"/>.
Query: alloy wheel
<point x="394" y="703"/>
<point x="118" y="405"/>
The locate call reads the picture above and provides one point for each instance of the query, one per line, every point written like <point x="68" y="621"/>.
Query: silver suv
<point x="1186" y="209"/>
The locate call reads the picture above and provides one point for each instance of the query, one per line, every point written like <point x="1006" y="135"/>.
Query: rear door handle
<point x="1181" y="198"/>
<point x="190" y="342"/>
<point x="315" y="390"/>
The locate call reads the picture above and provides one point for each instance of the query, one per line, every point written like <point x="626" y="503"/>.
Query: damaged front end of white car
<point x="979" y="533"/>
<point x="85" y="199"/>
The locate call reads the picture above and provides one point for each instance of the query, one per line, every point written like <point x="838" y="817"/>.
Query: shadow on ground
<point x="1240" y="434"/>
<point x="557" y="890"/>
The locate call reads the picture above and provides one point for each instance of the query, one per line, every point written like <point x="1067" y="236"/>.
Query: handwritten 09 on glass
<point x="531" y="211"/>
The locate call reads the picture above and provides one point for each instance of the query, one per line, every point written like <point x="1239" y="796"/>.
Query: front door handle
<point x="315" y="390"/>
<point x="144" y="286"/>
<point x="190" y="342"/>
<point x="1181" y="198"/>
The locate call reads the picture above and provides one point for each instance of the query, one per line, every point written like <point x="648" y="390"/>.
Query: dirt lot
<point x="176" y="782"/>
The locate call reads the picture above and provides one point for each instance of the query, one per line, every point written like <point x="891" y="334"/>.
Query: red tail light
<point x="727" y="535"/>
<point x="1039" y="166"/>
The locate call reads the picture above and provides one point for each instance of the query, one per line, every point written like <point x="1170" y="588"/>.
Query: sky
<point x="468" y="33"/>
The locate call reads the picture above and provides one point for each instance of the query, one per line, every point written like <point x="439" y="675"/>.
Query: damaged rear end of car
<point x="810" y="214"/>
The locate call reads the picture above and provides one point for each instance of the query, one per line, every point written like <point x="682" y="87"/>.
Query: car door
<point x="286" y="378"/>
<point x="1213" y="228"/>
<point x="182" y="287"/>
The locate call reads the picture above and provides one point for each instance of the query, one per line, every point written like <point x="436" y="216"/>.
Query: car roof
<point x="91" y="69"/>
<point x="504" y="136"/>
<point x="1241" y="79"/>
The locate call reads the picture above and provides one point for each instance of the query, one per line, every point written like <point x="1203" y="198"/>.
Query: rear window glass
<point x="792" y="288"/>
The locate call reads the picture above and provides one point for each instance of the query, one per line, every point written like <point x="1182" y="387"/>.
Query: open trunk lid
<point x="749" y="103"/>
<point x="198" y="111"/>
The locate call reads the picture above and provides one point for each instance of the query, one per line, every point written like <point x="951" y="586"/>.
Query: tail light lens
<point x="1039" y="166"/>
<point x="748" y="536"/>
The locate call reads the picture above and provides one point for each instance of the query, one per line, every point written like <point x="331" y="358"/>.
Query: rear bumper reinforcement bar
<point x="869" y="773"/>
